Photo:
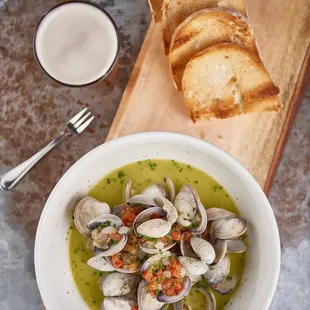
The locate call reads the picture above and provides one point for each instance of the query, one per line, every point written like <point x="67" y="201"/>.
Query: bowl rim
<point x="189" y="140"/>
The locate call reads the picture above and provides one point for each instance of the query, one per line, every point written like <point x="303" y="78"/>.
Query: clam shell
<point x="99" y="262"/>
<point x="171" y="188"/>
<point x="185" y="203"/>
<point x="193" y="266"/>
<point x="117" y="303"/>
<point x="218" y="213"/>
<point x="220" y="247"/>
<point x="118" y="284"/>
<point x="145" y="300"/>
<point x="115" y="221"/>
<point x="122" y="270"/>
<point x="127" y="190"/>
<point x="194" y="278"/>
<point x="209" y="296"/>
<point x="226" y="287"/>
<point x="171" y="211"/>
<point x="155" y="190"/>
<point x="183" y="222"/>
<point x="204" y="220"/>
<point x="230" y="228"/>
<point x="155" y="228"/>
<point x="146" y="215"/>
<point x="172" y="299"/>
<point x="186" y="249"/>
<point x="203" y="249"/>
<point x="87" y="209"/>
<point x="217" y="274"/>
<point x="141" y="200"/>
<point x="236" y="246"/>
<point x="117" y="210"/>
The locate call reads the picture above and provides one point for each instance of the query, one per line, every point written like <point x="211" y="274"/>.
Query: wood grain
<point x="150" y="102"/>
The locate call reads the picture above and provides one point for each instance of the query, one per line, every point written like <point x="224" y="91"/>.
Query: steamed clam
<point x="118" y="303"/>
<point x="145" y="300"/>
<point x="86" y="210"/>
<point x="107" y="234"/>
<point x="192" y="214"/>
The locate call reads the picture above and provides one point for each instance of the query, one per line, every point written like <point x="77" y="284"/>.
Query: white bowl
<point x="51" y="247"/>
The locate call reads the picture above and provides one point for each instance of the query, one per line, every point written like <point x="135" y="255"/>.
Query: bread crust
<point x="255" y="98"/>
<point x="195" y="34"/>
<point x="175" y="12"/>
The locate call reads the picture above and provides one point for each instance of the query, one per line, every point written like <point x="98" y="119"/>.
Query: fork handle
<point x="12" y="177"/>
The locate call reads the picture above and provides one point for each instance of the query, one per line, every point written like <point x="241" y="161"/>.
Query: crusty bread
<point x="174" y="12"/>
<point x="226" y="80"/>
<point x="203" y="29"/>
<point x="156" y="6"/>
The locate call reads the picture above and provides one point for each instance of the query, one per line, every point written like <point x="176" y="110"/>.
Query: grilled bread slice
<point x="226" y="80"/>
<point x="174" y="12"/>
<point x="156" y="6"/>
<point x="203" y="29"/>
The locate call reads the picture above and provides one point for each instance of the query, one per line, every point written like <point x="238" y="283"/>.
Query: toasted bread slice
<point x="174" y="12"/>
<point x="203" y="29"/>
<point x="226" y="80"/>
<point x="156" y="6"/>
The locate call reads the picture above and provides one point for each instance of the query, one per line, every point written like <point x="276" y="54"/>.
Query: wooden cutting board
<point x="150" y="102"/>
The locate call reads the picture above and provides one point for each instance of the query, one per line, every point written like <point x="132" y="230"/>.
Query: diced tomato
<point x="163" y="240"/>
<point x="187" y="235"/>
<point x="153" y="294"/>
<point x="116" y="236"/>
<point x="116" y="261"/>
<point x="172" y="261"/>
<point x="143" y="240"/>
<point x="129" y="248"/>
<point x="175" y="273"/>
<point x="170" y="291"/>
<point x="167" y="284"/>
<point x="176" y="235"/>
<point x="159" y="274"/>
<point x="155" y="216"/>
<point x="134" y="308"/>
<point x="147" y="275"/>
<point x="133" y="239"/>
<point x="205" y="233"/>
<point x="152" y="286"/>
<point x="128" y="216"/>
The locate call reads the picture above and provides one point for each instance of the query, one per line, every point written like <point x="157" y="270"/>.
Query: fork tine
<point x="75" y="118"/>
<point x="81" y="121"/>
<point x="84" y="125"/>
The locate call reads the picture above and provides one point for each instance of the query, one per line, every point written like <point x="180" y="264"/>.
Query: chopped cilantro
<point x="229" y="278"/>
<point x="121" y="174"/>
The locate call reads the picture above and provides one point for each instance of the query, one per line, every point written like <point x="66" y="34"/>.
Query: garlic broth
<point x="144" y="173"/>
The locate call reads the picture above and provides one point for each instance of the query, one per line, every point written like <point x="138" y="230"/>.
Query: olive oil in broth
<point x="144" y="173"/>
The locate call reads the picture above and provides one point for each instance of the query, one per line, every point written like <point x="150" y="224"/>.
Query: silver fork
<point x="74" y="127"/>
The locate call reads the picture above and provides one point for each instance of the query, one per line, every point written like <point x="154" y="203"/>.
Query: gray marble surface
<point x="28" y="99"/>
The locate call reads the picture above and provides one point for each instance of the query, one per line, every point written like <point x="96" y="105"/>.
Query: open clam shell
<point x="155" y="190"/>
<point x="185" y="203"/>
<point x="193" y="266"/>
<point x="186" y="249"/>
<point x="227" y="286"/>
<point x="229" y="228"/>
<point x="117" y="303"/>
<point x="217" y="274"/>
<point x="155" y="250"/>
<point x="123" y="270"/>
<point x="119" y="284"/>
<point x="171" y="188"/>
<point x="146" y="215"/>
<point x="141" y="200"/>
<point x="87" y="209"/>
<point x="203" y="249"/>
<point x="168" y="207"/>
<point x="220" y="248"/>
<point x="99" y="262"/>
<point x="219" y="213"/>
<point x="127" y="190"/>
<point x="115" y="222"/>
<point x="236" y="246"/>
<point x="155" y="228"/>
<point x="146" y="301"/>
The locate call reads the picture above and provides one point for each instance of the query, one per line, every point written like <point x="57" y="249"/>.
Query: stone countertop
<point x="32" y="111"/>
